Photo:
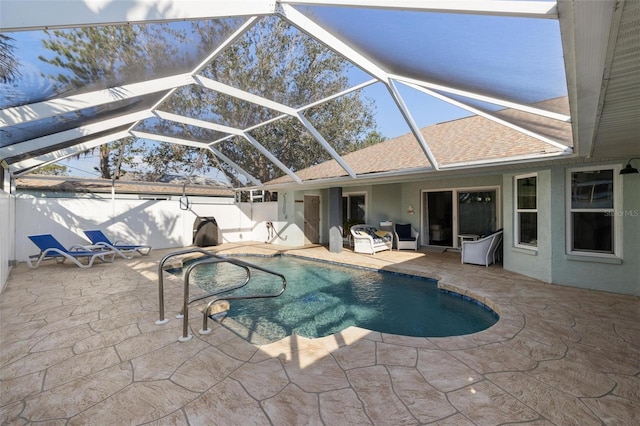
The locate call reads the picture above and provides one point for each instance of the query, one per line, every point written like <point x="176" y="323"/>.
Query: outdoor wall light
<point x="628" y="169"/>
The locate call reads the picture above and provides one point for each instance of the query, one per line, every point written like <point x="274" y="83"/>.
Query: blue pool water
<point x="322" y="299"/>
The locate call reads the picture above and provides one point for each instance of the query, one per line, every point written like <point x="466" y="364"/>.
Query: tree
<point x="373" y="138"/>
<point x="117" y="156"/>
<point x="9" y="74"/>
<point x="272" y="60"/>
<point x="9" y="66"/>
<point x="92" y="58"/>
<point x="52" y="170"/>
<point x="277" y="62"/>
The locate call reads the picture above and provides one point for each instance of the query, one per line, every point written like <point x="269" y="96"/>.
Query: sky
<point x="516" y="58"/>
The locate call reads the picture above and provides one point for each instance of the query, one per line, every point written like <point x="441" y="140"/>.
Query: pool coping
<point x="454" y="290"/>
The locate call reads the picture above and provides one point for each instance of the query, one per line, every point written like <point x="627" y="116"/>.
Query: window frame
<point x="616" y="231"/>
<point x="517" y="211"/>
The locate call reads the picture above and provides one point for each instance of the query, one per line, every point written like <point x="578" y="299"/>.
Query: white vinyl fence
<point x="159" y="223"/>
<point x="7" y="235"/>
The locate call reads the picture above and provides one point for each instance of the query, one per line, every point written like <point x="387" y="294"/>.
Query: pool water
<point x="322" y="299"/>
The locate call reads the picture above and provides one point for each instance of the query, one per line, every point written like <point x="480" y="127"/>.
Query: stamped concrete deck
<point x="81" y="347"/>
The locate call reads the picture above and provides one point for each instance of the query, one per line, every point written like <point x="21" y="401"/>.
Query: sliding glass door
<point x="456" y="214"/>
<point x="439" y="218"/>
<point x="477" y="212"/>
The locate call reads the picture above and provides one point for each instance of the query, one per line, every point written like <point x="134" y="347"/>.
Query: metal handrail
<point x="162" y="320"/>
<point x="205" y="313"/>
<point x="211" y="258"/>
<point x="187" y="301"/>
<point x="217" y="259"/>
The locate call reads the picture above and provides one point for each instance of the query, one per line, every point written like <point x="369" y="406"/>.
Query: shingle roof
<point x="79" y="185"/>
<point x="459" y="141"/>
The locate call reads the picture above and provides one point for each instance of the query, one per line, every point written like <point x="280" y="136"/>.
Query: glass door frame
<point x="346" y="196"/>
<point x="455" y="226"/>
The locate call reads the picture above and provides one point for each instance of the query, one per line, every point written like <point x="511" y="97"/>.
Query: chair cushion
<point x="404" y="231"/>
<point x="371" y="232"/>
<point x="378" y="236"/>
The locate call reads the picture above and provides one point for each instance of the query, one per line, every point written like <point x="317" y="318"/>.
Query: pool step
<point x="217" y="310"/>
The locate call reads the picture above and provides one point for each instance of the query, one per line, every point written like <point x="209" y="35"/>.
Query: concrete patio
<point x="82" y="347"/>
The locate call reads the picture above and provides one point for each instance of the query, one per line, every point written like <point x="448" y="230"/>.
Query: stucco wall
<point x="385" y="204"/>
<point x="550" y="262"/>
<point x="591" y="272"/>
<point x="530" y="262"/>
<point x="290" y="227"/>
<point x="287" y="218"/>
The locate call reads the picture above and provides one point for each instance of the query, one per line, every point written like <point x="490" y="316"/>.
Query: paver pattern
<point x="81" y="347"/>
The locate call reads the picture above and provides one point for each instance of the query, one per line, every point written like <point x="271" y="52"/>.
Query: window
<point x="526" y="211"/>
<point x="256" y="196"/>
<point x="591" y="215"/>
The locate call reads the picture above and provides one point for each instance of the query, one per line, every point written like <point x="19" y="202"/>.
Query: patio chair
<point x="406" y="236"/>
<point x="123" y="248"/>
<point x="51" y="249"/>
<point x="367" y="239"/>
<point x="483" y="251"/>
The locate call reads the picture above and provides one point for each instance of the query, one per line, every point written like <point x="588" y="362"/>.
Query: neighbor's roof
<point x="62" y="184"/>
<point x="457" y="142"/>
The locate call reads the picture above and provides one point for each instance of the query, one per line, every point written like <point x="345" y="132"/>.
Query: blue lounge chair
<point x="123" y="248"/>
<point x="50" y="248"/>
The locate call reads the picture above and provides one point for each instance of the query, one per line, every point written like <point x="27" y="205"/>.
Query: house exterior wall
<point x="534" y="263"/>
<point x="385" y="203"/>
<point x="287" y="217"/>
<point x="621" y="276"/>
<point x="550" y="262"/>
<point x="256" y="216"/>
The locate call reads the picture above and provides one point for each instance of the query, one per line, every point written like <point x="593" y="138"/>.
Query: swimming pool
<point x="323" y="298"/>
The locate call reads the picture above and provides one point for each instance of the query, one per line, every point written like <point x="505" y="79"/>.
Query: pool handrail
<point x="162" y="319"/>
<point x="187" y="300"/>
<point x="218" y="259"/>
<point x="205" y="313"/>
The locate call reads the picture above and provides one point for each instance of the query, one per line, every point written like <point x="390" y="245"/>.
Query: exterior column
<point x="335" y="220"/>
